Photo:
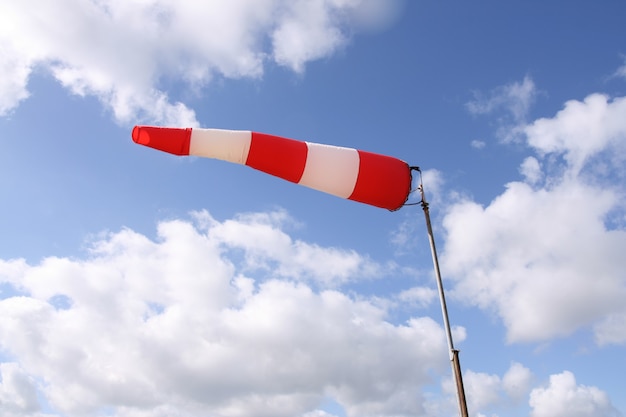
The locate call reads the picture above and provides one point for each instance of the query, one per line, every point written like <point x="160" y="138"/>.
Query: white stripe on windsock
<point x="227" y="145"/>
<point x="331" y="169"/>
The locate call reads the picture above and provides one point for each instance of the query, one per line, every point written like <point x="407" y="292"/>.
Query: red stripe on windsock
<point x="383" y="181"/>
<point x="173" y="140"/>
<point x="275" y="155"/>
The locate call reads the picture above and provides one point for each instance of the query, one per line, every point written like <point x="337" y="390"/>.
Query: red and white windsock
<point x="366" y="177"/>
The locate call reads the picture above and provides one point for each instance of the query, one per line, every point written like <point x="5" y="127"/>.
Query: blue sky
<point x="139" y="284"/>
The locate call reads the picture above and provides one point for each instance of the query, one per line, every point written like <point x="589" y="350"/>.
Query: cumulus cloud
<point x="418" y="296"/>
<point x="582" y="130"/>
<point x="482" y="389"/>
<point x="563" y="397"/>
<point x="194" y="323"/>
<point x="18" y="393"/>
<point x="611" y="330"/>
<point x="125" y="53"/>
<point x="547" y="254"/>
<point x="531" y="170"/>
<point x="15" y="70"/>
<point x="269" y="248"/>
<point x="516" y="381"/>
<point x="486" y="391"/>
<point x="493" y="395"/>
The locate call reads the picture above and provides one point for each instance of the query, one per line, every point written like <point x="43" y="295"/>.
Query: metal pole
<point x="454" y="354"/>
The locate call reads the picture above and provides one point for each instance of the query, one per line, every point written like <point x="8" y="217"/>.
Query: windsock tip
<point x="139" y="136"/>
<point x="166" y="139"/>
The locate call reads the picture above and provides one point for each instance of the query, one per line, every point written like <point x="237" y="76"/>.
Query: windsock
<point x="366" y="177"/>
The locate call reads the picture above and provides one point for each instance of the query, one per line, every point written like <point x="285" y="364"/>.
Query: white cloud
<point x="404" y="236"/>
<point x="563" y="397"/>
<point x="308" y="33"/>
<point x="516" y="381"/>
<point x="582" y="130"/>
<point x="125" y="53"/>
<point x="515" y="97"/>
<point x="15" y="71"/>
<point x="528" y="256"/>
<point x="433" y="183"/>
<point x="512" y="101"/>
<point x="611" y="330"/>
<point x="269" y="248"/>
<point x="531" y="170"/>
<point x="18" y="394"/>
<point x="546" y="255"/>
<point x="621" y="71"/>
<point x="179" y="326"/>
<point x="318" y="413"/>
<point x="482" y="389"/>
<point x="478" y="144"/>
<point x="419" y="296"/>
<point x="487" y="393"/>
